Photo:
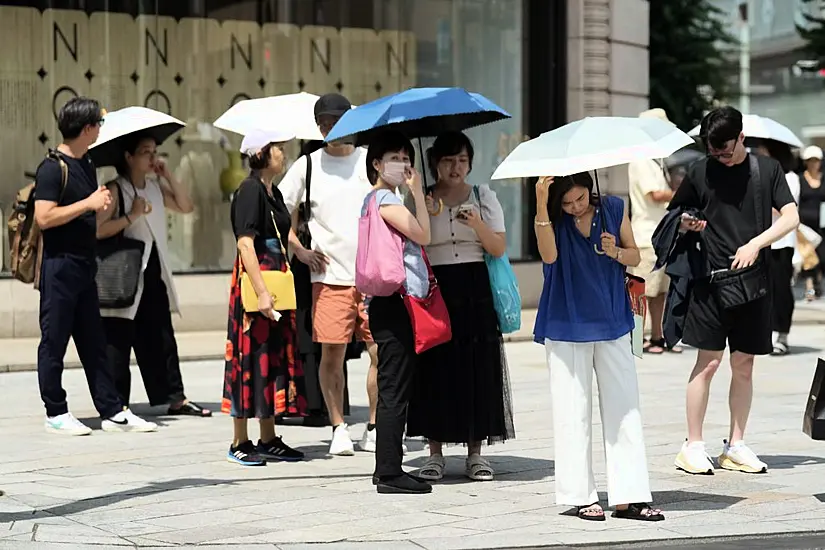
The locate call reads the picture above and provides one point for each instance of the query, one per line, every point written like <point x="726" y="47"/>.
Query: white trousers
<point x="571" y="385"/>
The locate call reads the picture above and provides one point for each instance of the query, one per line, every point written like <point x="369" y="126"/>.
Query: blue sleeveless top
<point x="584" y="298"/>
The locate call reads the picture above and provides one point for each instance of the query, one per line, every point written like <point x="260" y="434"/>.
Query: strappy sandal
<point x="591" y="512"/>
<point x="639" y="511"/>
<point x="189" y="408"/>
<point x="656" y="347"/>
<point x="433" y="469"/>
<point x="478" y="468"/>
<point x="810" y="295"/>
<point x="780" y="348"/>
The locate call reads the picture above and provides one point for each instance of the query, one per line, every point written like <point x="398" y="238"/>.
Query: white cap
<point x="256" y="140"/>
<point x="812" y="152"/>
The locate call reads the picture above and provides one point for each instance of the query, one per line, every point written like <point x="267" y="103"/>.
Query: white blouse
<point x="151" y="229"/>
<point x="452" y="242"/>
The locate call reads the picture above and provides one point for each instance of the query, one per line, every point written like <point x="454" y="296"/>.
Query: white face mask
<point x="394" y="173"/>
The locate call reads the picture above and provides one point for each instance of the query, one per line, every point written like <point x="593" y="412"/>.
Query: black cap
<point x="332" y="104"/>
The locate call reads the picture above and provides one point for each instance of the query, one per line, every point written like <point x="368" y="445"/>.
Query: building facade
<point x="777" y="90"/>
<point x="545" y="62"/>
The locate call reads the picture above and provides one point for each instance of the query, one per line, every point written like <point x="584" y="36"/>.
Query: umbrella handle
<point x="597" y="251"/>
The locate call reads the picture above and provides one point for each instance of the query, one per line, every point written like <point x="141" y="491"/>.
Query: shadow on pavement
<point x="789" y="462"/>
<point x="85" y="505"/>
<point x="507" y="468"/>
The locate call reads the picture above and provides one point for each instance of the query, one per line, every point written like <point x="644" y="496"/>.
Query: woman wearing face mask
<point x="584" y="321"/>
<point x="148" y="189"/>
<point x="462" y="391"/>
<point x="264" y="375"/>
<point x="389" y="165"/>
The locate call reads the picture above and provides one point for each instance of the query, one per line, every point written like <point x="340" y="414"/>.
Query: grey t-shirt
<point x="417" y="283"/>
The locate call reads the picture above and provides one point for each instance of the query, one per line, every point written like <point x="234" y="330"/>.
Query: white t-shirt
<point x="789" y="240"/>
<point x="646" y="176"/>
<point x="337" y="191"/>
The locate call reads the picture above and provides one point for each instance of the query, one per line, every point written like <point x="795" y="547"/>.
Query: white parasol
<point x="118" y="126"/>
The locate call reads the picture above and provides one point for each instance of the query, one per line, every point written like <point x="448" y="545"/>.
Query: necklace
<point x="577" y="219"/>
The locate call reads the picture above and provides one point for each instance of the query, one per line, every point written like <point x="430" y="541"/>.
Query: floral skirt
<point x="264" y="374"/>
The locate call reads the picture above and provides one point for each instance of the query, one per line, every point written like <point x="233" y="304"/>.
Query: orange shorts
<point x="338" y="312"/>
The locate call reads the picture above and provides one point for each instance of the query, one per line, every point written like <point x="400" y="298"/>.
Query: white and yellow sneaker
<point x="694" y="459"/>
<point x="740" y="458"/>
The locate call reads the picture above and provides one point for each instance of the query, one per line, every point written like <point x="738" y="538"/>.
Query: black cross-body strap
<point x="307" y="202"/>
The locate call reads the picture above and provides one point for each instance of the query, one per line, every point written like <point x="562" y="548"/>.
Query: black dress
<point x="810" y="205"/>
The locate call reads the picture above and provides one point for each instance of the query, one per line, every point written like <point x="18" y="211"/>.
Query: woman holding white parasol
<point x="585" y="319"/>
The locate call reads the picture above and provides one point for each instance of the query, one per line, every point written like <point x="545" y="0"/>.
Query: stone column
<point x="607" y="66"/>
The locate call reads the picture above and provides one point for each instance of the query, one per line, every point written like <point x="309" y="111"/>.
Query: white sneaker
<point x="66" y="424"/>
<point x="341" y="444"/>
<point x="740" y="458"/>
<point x="367" y="443"/>
<point x="127" y="421"/>
<point x="694" y="459"/>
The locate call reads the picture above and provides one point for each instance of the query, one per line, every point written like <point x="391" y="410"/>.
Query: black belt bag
<point x="734" y="288"/>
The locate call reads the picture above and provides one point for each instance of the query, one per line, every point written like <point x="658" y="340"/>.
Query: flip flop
<point x="189" y="409"/>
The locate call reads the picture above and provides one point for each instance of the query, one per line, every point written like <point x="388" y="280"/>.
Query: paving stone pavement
<point x="174" y="488"/>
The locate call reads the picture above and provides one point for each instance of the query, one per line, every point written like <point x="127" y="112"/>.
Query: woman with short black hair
<point x="389" y="166"/>
<point x="462" y="390"/>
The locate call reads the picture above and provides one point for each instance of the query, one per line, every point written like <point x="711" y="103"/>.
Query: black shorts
<point x="746" y="329"/>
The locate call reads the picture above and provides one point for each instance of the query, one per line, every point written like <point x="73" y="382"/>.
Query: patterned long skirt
<point x="264" y="374"/>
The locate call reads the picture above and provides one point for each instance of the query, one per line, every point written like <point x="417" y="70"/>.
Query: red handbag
<point x="429" y="316"/>
<point x="636" y="292"/>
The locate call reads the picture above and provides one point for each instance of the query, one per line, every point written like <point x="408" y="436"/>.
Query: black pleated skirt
<point x="461" y="392"/>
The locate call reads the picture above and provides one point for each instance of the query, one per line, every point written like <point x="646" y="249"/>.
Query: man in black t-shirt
<point x="69" y="306"/>
<point x="734" y="237"/>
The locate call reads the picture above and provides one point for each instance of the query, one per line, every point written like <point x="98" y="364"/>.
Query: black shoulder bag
<point x="305" y="210"/>
<point x="119" y="265"/>
<point x="734" y="288"/>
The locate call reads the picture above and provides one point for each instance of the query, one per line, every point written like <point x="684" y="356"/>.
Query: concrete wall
<point x="607" y="66"/>
<point x="607" y="75"/>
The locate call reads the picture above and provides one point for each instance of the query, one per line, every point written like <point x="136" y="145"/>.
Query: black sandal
<point x="190" y="409"/>
<point x="591" y="512"/>
<point x="639" y="511"/>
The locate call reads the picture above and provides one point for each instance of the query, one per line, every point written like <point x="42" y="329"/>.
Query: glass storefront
<point x="195" y="58"/>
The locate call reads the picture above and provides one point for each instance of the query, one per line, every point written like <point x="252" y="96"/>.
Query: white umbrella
<point x="590" y="144"/>
<point x="755" y="126"/>
<point x="119" y="125"/>
<point x="293" y="112"/>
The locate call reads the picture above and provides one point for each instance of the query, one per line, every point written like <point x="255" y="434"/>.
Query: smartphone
<point x="463" y="210"/>
<point x="688" y="218"/>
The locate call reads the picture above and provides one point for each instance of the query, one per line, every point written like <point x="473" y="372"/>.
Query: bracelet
<point x="619" y="255"/>
<point x="538" y="223"/>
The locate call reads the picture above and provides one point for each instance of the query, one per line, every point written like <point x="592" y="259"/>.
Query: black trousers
<point x="152" y="337"/>
<point x="783" y="298"/>
<point x="69" y="308"/>
<point x="392" y="332"/>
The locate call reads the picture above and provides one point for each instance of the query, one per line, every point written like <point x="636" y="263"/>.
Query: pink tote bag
<point x="379" y="262"/>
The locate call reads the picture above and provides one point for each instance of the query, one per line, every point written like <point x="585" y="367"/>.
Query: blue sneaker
<point x="245" y="454"/>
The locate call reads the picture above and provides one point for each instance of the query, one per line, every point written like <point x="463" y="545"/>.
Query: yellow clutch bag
<point x="279" y="284"/>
